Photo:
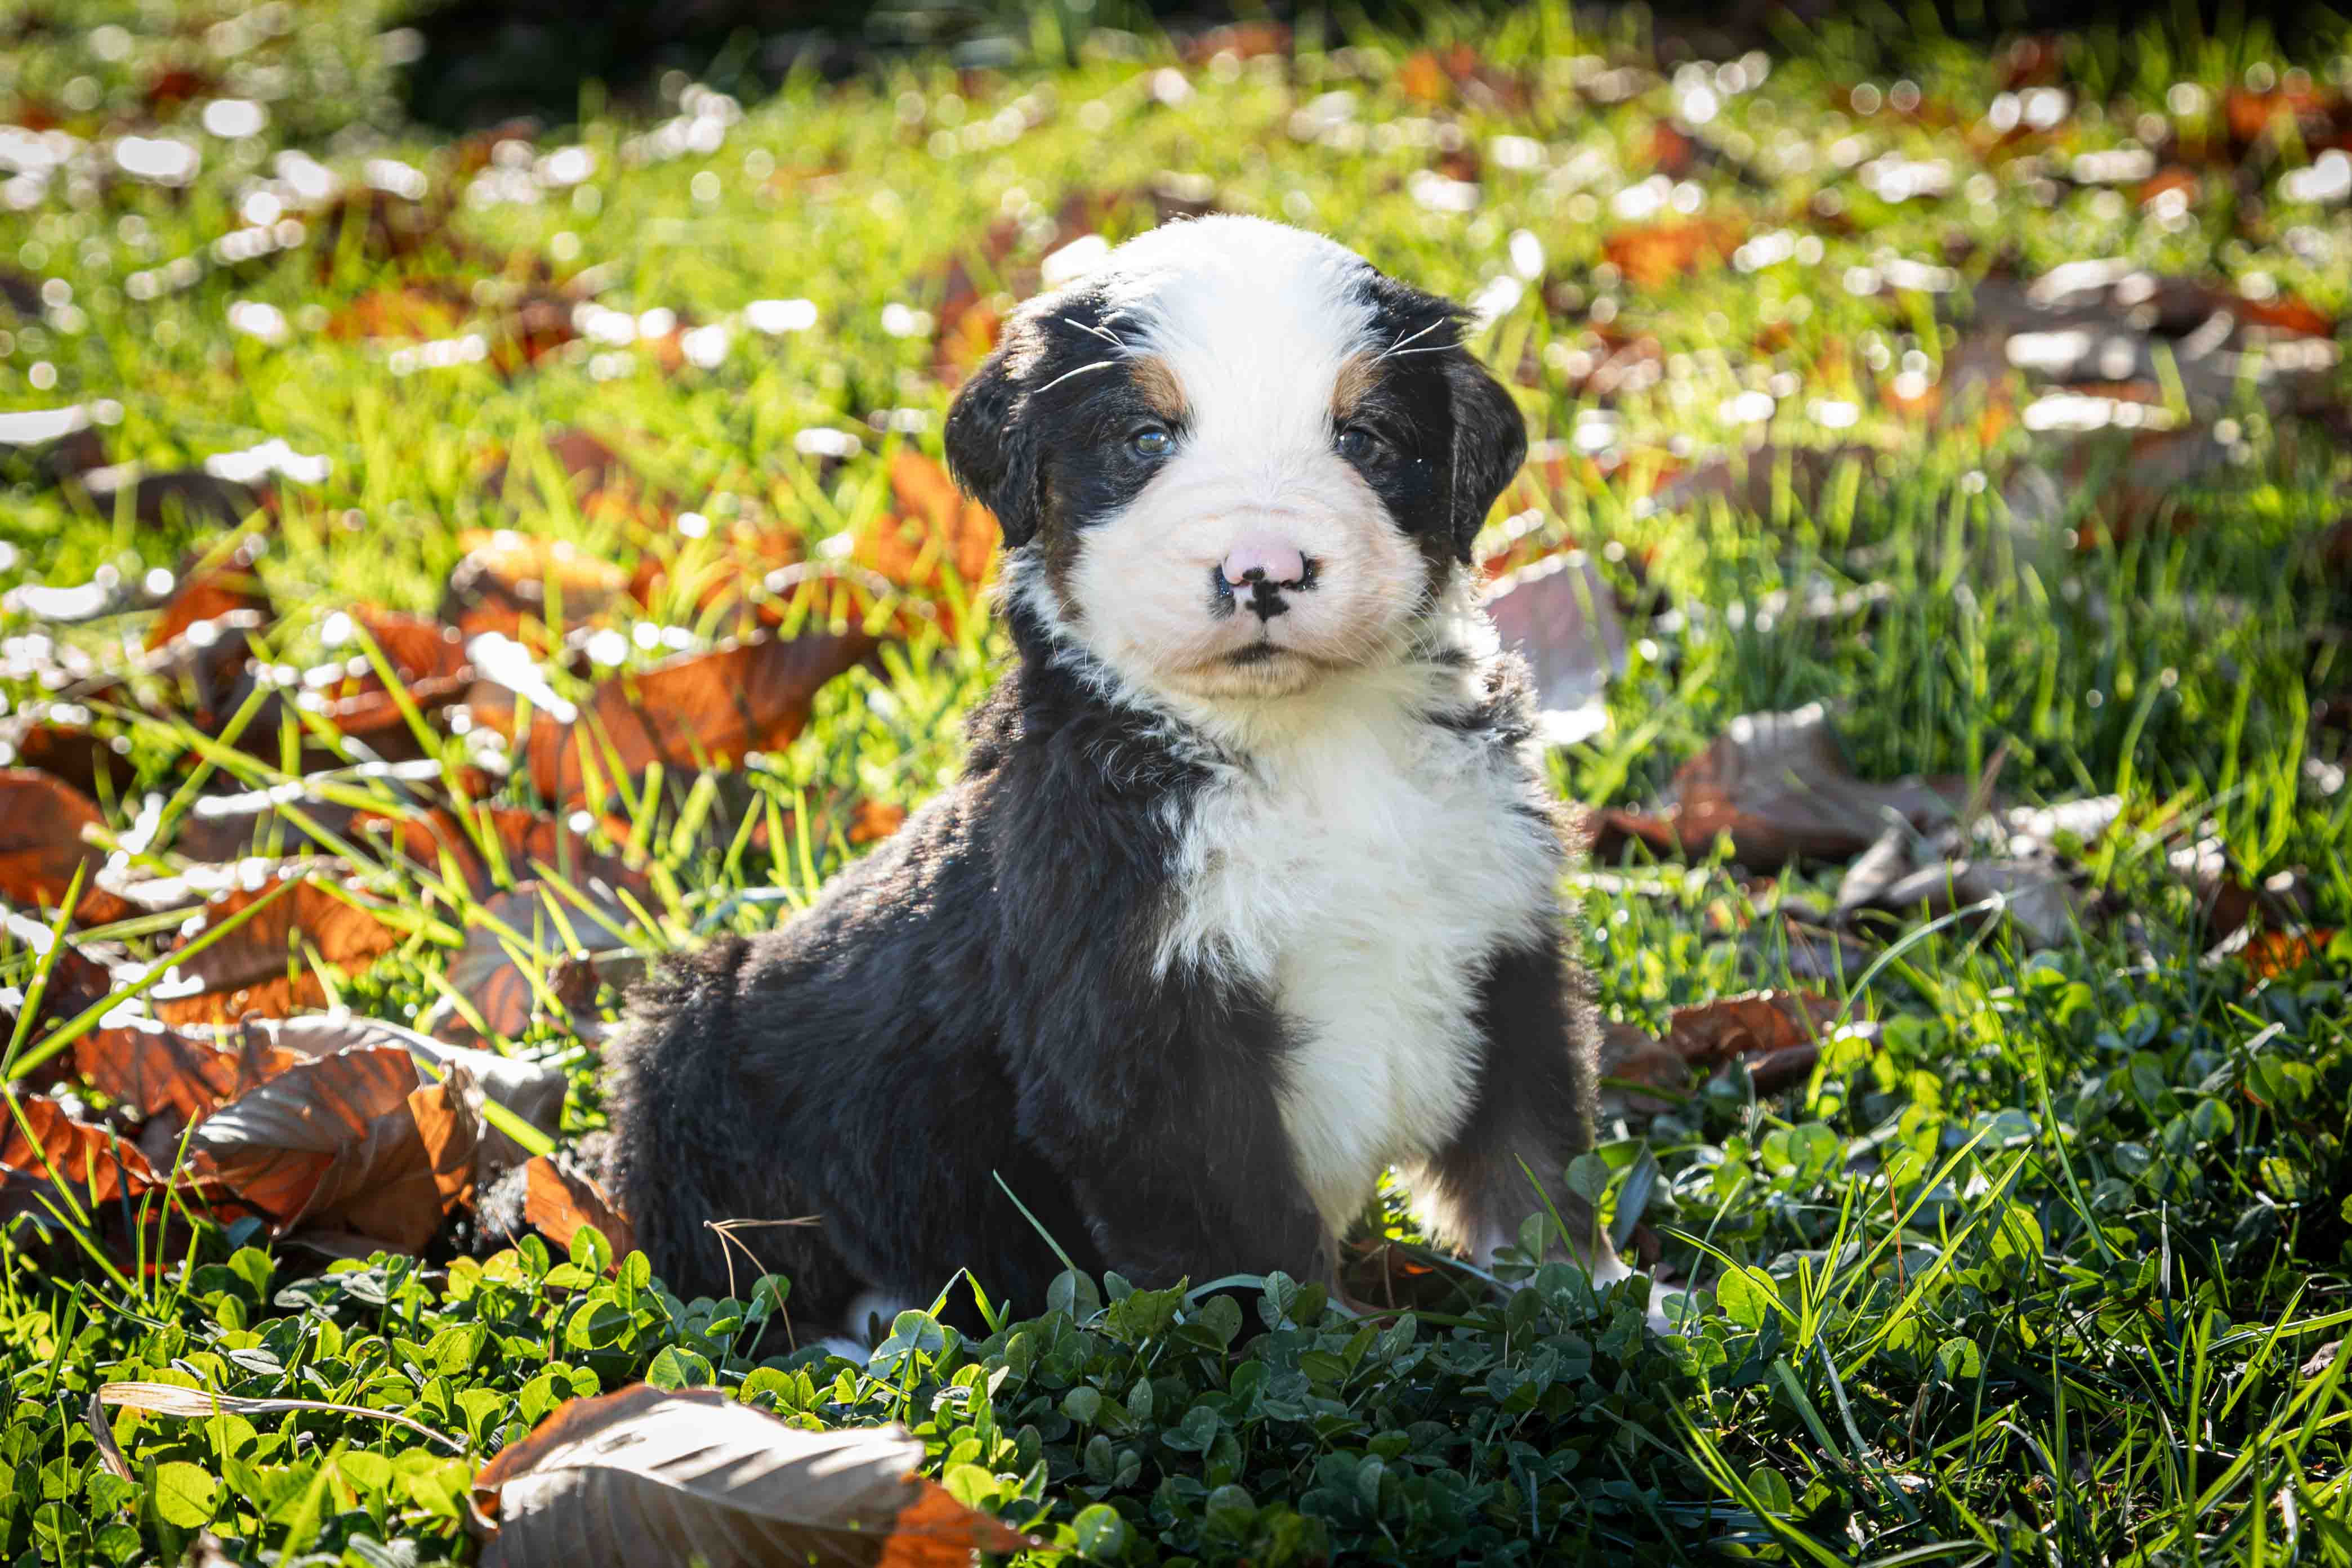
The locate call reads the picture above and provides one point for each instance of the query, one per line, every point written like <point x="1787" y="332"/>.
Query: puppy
<point x="1249" y="889"/>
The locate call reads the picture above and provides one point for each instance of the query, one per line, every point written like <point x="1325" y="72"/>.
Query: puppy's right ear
<point x="992" y="450"/>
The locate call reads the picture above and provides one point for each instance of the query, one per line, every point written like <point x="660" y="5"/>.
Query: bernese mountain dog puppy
<point x="1249" y="889"/>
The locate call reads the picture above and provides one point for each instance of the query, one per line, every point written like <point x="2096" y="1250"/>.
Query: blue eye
<point x="1152" y="443"/>
<point x="1355" y="443"/>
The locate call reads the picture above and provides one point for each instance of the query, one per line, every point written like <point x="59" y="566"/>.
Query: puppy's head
<point x="1235" y="458"/>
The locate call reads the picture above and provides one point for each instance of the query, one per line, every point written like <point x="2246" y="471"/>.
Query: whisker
<point x="1424" y="332"/>
<point x="1082" y="370"/>
<point x="1424" y="348"/>
<point x="1108" y="337"/>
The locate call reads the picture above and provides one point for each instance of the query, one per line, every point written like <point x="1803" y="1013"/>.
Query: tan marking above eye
<point x="1354" y="384"/>
<point x="1156" y="380"/>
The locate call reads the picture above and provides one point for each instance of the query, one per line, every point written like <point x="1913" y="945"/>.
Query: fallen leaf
<point x="2272" y="955"/>
<point x="42" y="819"/>
<point x="1779" y="784"/>
<point x="211" y="591"/>
<point x="532" y="1090"/>
<point x="936" y="531"/>
<point x="1751" y="481"/>
<point x="870" y="822"/>
<point x="1651" y="255"/>
<point x="487" y="972"/>
<point x="695" y="711"/>
<point x="142" y="1063"/>
<point x="445" y="840"/>
<point x="352" y="1141"/>
<point x="647" y="1475"/>
<point x="262" y="968"/>
<point x="2017" y="856"/>
<point x="509" y="581"/>
<point x="558" y="1201"/>
<point x="42" y="1143"/>
<point x="179" y="496"/>
<point x="1559" y="615"/>
<point x="1777" y="1033"/>
<point x="56" y="739"/>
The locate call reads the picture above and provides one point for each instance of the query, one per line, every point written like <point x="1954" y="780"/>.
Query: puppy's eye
<point x="1153" y="442"/>
<point x="1358" y="445"/>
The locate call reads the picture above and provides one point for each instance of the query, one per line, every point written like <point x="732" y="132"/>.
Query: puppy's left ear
<point x="991" y="449"/>
<point x="1490" y="441"/>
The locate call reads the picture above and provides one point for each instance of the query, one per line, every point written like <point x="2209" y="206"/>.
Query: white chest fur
<point x="1362" y="865"/>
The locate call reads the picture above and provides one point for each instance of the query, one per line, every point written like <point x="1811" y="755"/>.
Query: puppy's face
<point x="1235" y="458"/>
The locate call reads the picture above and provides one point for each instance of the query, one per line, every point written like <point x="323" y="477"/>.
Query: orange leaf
<point x="157" y="1068"/>
<point x="557" y="1203"/>
<point x="2272" y="954"/>
<point x="697" y="710"/>
<point x="261" y="968"/>
<point x="508" y="579"/>
<point x="41" y="846"/>
<point x="336" y="1142"/>
<point x="648" y="1475"/>
<point x="1654" y="255"/>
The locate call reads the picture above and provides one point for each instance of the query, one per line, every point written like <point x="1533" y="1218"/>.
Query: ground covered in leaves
<point x="441" y="577"/>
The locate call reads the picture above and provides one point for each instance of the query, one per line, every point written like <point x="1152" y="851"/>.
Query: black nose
<point x="1266" y="598"/>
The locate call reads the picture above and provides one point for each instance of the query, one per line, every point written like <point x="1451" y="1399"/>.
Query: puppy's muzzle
<point x="1264" y="570"/>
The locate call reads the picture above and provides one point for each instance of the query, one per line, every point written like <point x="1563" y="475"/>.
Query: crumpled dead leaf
<point x="1777" y="1033"/>
<point x="693" y="711"/>
<point x="352" y="1141"/>
<point x="559" y="1200"/>
<point x="649" y="1476"/>
<point x="42" y="819"/>
<point x="263" y="968"/>
<point x="1560" y="617"/>
<point x="1779" y="785"/>
<point x="2016" y="856"/>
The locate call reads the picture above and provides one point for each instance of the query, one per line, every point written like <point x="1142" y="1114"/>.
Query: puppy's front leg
<point x="1159" y="1111"/>
<point x="1533" y="1114"/>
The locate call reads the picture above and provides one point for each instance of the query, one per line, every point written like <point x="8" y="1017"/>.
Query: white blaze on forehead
<point x="1256" y="318"/>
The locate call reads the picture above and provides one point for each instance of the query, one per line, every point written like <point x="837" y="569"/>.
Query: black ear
<point x="992" y="450"/>
<point x="1490" y="441"/>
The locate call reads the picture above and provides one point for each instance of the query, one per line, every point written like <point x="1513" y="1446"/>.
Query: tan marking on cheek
<point x="1357" y="377"/>
<point x="1155" y="378"/>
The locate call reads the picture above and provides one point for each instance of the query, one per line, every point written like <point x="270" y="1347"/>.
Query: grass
<point x="2039" y="1270"/>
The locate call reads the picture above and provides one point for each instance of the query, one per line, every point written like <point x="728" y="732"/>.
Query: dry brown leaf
<point x="41" y="847"/>
<point x="870" y="822"/>
<point x="210" y="591"/>
<point x="447" y="837"/>
<point x="1559" y="615"/>
<point x="51" y="739"/>
<point x="40" y="1137"/>
<point x="697" y="710"/>
<point x="1777" y="1033"/>
<point x="485" y="972"/>
<point x="157" y="1068"/>
<point x="647" y="1475"/>
<point x="2272" y="953"/>
<point x="261" y="967"/>
<point x="559" y="1201"/>
<point x="532" y="1090"/>
<point x="936" y="531"/>
<point x="527" y="585"/>
<point x="1652" y="255"/>
<point x="351" y="1142"/>
<point x="1779" y="784"/>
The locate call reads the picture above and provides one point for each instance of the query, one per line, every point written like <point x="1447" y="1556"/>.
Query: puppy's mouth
<point x="1255" y="654"/>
